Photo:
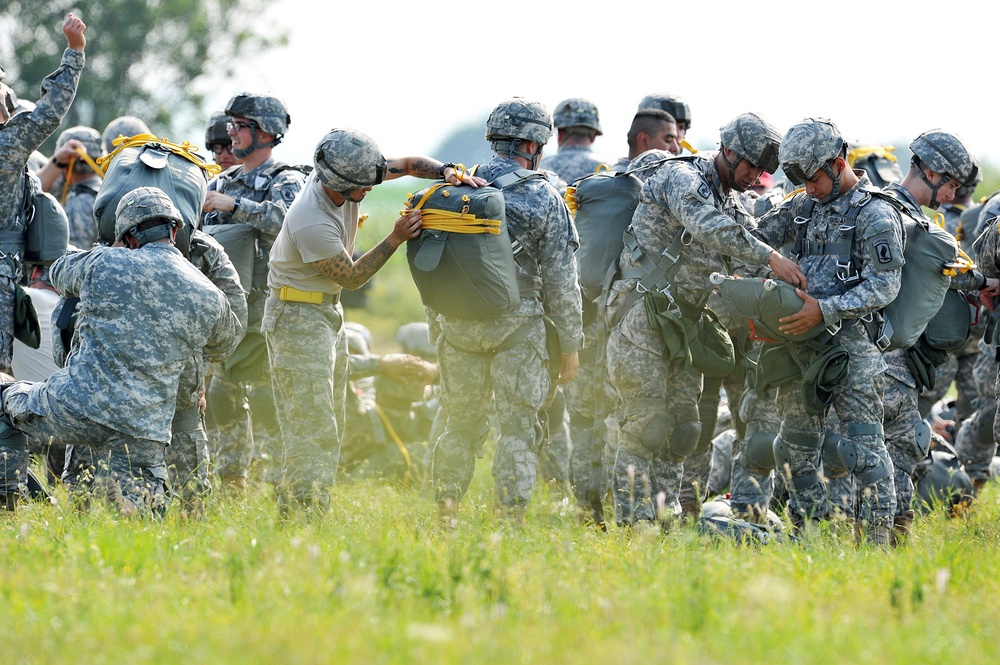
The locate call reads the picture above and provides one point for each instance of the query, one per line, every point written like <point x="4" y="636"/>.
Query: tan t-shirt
<point x="314" y="229"/>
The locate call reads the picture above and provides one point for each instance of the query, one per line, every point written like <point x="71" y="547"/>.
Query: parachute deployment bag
<point x="950" y="327"/>
<point x="47" y="232"/>
<point x="240" y="244"/>
<point x="603" y="204"/>
<point x="144" y="161"/>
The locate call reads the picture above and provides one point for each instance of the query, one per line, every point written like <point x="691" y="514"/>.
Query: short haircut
<point x="649" y="121"/>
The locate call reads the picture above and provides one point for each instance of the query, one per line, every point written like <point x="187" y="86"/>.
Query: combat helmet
<point x="672" y="104"/>
<point x="215" y="130"/>
<point x="91" y="140"/>
<point x="126" y="125"/>
<point x="577" y="112"/>
<point x="414" y="339"/>
<point x="943" y="153"/>
<point x="141" y="206"/>
<point x="807" y="147"/>
<point x="268" y="113"/>
<point x="752" y="138"/>
<point x="515" y="120"/>
<point x="347" y="159"/>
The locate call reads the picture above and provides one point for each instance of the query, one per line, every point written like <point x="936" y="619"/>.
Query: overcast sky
<point x="408" y="73"/>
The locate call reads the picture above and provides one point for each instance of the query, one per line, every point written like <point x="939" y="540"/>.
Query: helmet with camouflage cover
<point x="752" y="138"/>
<point x="807" y="147"/>
<point x="577" y="112"/>
<point x="346" y="159"/>
<point x="126" y="125"/>
<point x="515" y="120"/>
<point x="91" y="140"/>
<point x="141" y="206"/>
<point x="672" y="104"/>
<point x="969" y="188"/>
<point x="414" y="339"/>
<point x="944" y="153"/>
<point x="215" y="130"/>
<point x="359" y="338"/>
<point x="267" y="112"/>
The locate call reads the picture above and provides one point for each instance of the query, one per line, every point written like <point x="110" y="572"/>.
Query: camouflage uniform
<point x="188" y="454"/>
<point x="976" y="441"/>
<point x="858" y="401"/>
<point x="117" y="392"/>
<point x="79" y="208"/>
<point x="659" y="403"/>
<point x="472" y="373"/>
<point x="19" y="138"/>
<point x="572" y="162"/>
<point x="237" y="405"/>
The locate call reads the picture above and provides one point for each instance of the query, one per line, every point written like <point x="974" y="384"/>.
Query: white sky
<point x="406" y="73"/>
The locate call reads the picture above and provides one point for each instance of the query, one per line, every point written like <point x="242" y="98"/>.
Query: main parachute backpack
<point x="462" y="262"/>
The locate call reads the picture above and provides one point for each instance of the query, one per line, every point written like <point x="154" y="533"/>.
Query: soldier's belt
<point x="291" y="294"/>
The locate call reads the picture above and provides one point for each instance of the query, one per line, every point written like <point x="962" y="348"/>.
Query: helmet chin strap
<point x="934" y="203"/>
<point x="243" y="153"/>
<point x="731" y="165"/>
<point x="835" y="189"/>
<point x="510" y="147"/>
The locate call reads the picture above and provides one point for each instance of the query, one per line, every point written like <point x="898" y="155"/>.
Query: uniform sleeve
<point x="560" y="281"/>
<point x="216" y="265"/>
<point x="227" y="332"/>
<point x="268" y="215"/>
<point x="69" y="270"/>
<point x="693" y="203"/>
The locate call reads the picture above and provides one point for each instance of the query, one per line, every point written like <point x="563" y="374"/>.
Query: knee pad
<point x="790" y="439"/>
<point x="684" y="438"/>
<point x="850" y="453"/>
<point x="758" y="448"/>
<point x="529" y="430"/>
<point x="831" y="452"/>
<point x="647" y="421"/>
<point x="473" y="432"/>
<point x="984" y="427"/>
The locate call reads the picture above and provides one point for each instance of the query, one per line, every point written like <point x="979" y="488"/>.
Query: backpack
<point x="46" y="234"/>
<point x="762" y="303"/>
<point x="950" y="327"/>
<point x="463" y="261"/>
<point x="180" y="173"/>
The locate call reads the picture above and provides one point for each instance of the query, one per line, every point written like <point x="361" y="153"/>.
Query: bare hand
<point x="74" y="28"/>
<point x="69" y="151"/>
<point x="451" y="176"/>
<point x="787" y="270"/>
<point x="407" y="226"/>
<point x="217" y="201"/>
<point x="567" y="367"/>
<point x="805" y="319"/>
<point x="992" y="287"/>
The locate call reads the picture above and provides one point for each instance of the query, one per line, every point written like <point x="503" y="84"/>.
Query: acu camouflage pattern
<point x="672" y="104"/>
<point x="346" y="159"/>
<point x="858" y="401"/>
<point x="945" y="153"/>
<point x="127" y="126"/>
<point x="19" y="138"/>
<point x="91" y="140"/>
<point x="143" y="204"/>
<point x="809" y="145"/>
<point x="472" y="375"/>
<point x="577" y="112"/>
<point x="754" y="139"/>
<point x="270" y="113"/>
<point x="681" y="196"/>
<point x="79" y="207"/>
<point x="572" y="162"/>
<point x="521" y="119"/>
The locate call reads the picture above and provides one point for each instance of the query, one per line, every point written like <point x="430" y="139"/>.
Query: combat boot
<point x="901" y="528"/>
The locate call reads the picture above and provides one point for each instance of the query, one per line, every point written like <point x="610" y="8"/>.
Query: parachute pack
<point x="46" y="234"/>
<point x="463" y="261"/>
<point x="146" y="161"/>
<point x="762" y="303"/>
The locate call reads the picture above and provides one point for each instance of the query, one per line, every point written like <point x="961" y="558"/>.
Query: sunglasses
<point x="219" y="148"/>
<point x="237" y="126"/>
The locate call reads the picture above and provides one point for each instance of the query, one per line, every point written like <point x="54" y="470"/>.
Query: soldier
<point x="72" y="179"/>
<point x="125" y="125"/>
<point x="578" y="125"/>
<point x="303" y="320"/>
<point x="218" y="142"/>
<point x="940" y="165"/>
<point x="672" y="104"/>
<point x="118" y="389"/>
<point x="20" y="136"/>
<point x="689" y="223"/>
<point x="836" y="202"/>
<point x="505" y="358"/>
<point x="256" y="192"/>
<point x="652" y="129"/>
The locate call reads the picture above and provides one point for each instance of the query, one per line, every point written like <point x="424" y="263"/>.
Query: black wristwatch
<point x="236" y="204"/>
<point x="446" y="165"/>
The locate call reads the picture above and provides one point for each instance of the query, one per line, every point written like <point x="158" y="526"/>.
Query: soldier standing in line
<point x="69" y="172"/>
<point x="578" y="124"/>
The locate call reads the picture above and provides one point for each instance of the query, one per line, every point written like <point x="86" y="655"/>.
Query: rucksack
<point x="145" y="161"/>
<point x="762" y="303"/>
<point x="46" y="234"/>
<point x="949" y="329"/>
<point x="463" y="261"/>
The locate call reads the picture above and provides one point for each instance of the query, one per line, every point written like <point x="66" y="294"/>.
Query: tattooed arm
<point x="352" y="274"/>
<point x="428" y="168"/>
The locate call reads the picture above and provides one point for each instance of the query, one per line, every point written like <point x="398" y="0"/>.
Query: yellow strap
<point x="570" y="198"/>
<point x="962" y="264"/>
<point x="939" y="219"/>
<point x="883" y="151"/>
<point x="399" y="443"/>
<point x="602" y="167"/>
<point x="90" y="161"/>
<point x="687" y="146"/>
<point x="185" y="150"/>
<point x="793" y="193"/>
<point x="447" y="220"/>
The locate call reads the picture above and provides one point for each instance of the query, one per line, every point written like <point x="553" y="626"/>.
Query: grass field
<point x="377" y="580"/>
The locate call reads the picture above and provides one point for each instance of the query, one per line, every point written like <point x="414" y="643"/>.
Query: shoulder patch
<point x="704" y="192"/>
<point x="882" y="251"/>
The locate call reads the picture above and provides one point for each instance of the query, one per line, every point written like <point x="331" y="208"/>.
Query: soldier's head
<point x="749" y="148"/>
<point x="653" y="129"/>
<point x="89" y="139"/>
<point x="673" y="104"/>
<point x="813" y="154"/>
<point x="349" y="163"/>
<point x="127" y="126"/>
<point x="519" y="127"/>
<point x="217" y="140"/>
<point x="359" y="338"/>
<point x="878" y="161"/>
<point x="414" y="339"/>
<point x="256" y="122"/>
<point x="943" y="164"/>
<point x="577" y="117"/>
<point x="145" y="215"/>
